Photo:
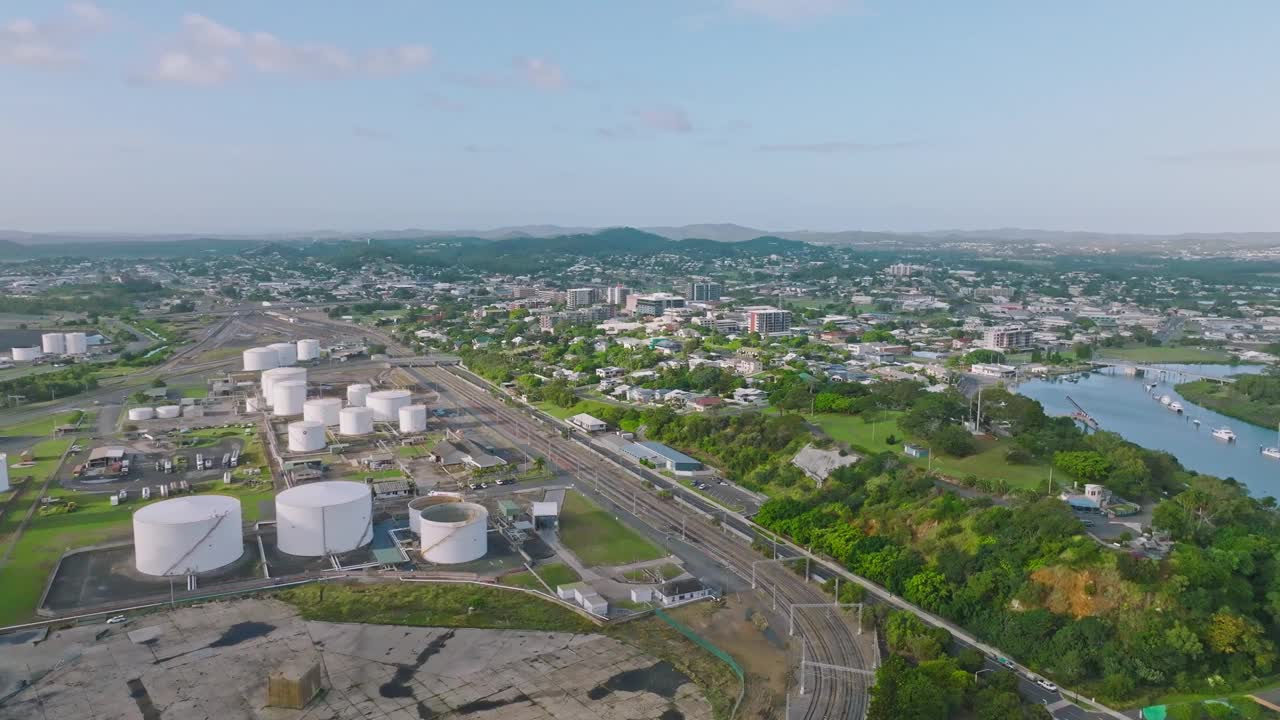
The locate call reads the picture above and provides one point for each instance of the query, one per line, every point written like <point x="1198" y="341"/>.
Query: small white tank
<point x="356" y="394"/>
<point x="141" y="413"/>
<point x="276" y="375"/>
<point x="306" y="436"/>
<point x="413" y="419"/>
<point x="54" y="343"/>
<point x="168" y="412"/>
<point x="259" y="358"/>
<point x="77" y="343"/>
<point x="322" y="410"/>
<point x="289" y="396"/>
<point x="355" y="421"/>
<point x="287" y="353"/>
<point x="386" y="404"/>
<point x="193" y="411"/>
<point x="26" y="354"/>
<point x="308" y="350"/>
<point x="4" y="472"/>
<point x="253" y="404"/>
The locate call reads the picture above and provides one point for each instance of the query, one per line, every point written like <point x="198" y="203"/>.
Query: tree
<point x="954" y="441"/>
<point x="1082" y="351"/>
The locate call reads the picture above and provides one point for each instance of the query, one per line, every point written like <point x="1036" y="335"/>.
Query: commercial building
<point x="654" y="304"/>
<point x="588" y="423"/>
<point x="677" y="592"/>
<point x="1007" y="338"/>
<point x="662" y="457"/>
<point x="995" y="370"/>
<point x="580" y="297"/>
<point x="703" y="291"/>
<point x="767" y="320"/>
<point x="617" y="294"/>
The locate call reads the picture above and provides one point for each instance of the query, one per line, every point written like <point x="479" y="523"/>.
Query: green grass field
<point x="192" y="391"/>
<point x="988" y="462"/>
<point x="432" y="605"/>
<point x="589" y="407"/>
<point x="41" y="426"/>
<point x="597" y="538"/>
<point x="553" y="574"/>
<point x="665" y="572"/>
<point x="1171" y="354"/>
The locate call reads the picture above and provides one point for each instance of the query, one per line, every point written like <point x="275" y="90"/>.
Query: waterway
<point x="1122" y="404"/>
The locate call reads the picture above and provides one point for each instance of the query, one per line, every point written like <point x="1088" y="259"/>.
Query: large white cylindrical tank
<point x="77" y="343"/>
<point x="277" y="375"/>
<point x="141" y="413"/>
<point x="187" y="535"/>
<point x="308" y="349"/>
<point x="287" y="353"/>
<point x="289" y="395"/>
<point x="386" y="404"/>
<point x="356" y="394"/>
<point x="324" y="518"/>
<point x="168" y="412"/>
<point x="453" y="533"/>
<point x="355" y="421"/>
<point x="306" y="436"/>
<point x="418" y="504"/>
<point x="259" y="358"/>
<point x="322" y="410"/>
<point x="413" y="419"/>
<point x="26" y="354"/>
<point x="4" y="472"/>
<point x="53" y="343"/>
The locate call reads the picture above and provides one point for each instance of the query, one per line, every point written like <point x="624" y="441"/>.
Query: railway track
<point x="828" y="637"/>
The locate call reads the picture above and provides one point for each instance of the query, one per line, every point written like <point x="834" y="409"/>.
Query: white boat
<point x="1165" y="399"/>
<point x="1151" y="387"/>
<point x="1176" y="407"/>
<point x="1272" y="452"/>
<point x="1225" y="433"/>
<point x="1196" y="421"/>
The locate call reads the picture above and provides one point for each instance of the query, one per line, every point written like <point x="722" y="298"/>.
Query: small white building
<point x="682" y="591"/>
<point x="993" y="370"/>
<point x="588" y="423"/>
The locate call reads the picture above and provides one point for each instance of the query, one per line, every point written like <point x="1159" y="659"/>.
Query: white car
<point x="1047" y="685"/>
<point x="117" y="620"/>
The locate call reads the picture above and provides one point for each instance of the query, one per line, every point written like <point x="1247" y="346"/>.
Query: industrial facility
<point x="452" y="533"/>
<point x="324" y="518"/>
<point x="187" y="535"/>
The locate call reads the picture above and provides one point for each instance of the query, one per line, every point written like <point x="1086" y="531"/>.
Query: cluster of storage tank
<point x="203" y="533"/>
<point x="164" y="412"/>
<point x="72" y="343"/>
<point x="281" y="354"/>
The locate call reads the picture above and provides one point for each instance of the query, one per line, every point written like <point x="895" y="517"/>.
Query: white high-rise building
<point x="767" y="320"/>
<point x="580" y="297"/>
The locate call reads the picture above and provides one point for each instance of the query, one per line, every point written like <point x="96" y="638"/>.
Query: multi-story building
<point x="708" y="291"/>
<point x="1008" y="338"/>
<point x="654" y="304"/>
<point x="617" y="294"/>
<point x="767" y="320"/>
<point x="580" y="297"/>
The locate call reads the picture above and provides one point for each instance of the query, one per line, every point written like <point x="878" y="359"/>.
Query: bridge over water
<point x="1155" y="371"/>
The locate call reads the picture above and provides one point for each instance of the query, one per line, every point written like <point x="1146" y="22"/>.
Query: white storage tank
<point x="187" y="535"/>
<point x="356" y="394"/>
<point x="306" y="436"/>
<point x="355" y="421"/>
<point x="54" y="343"/>
<point x="413" y="419"/>
<point x="168" y="412"/>
<point x="308" y="350"/>
<point x="253" y="404"/>
<point x="418" y="504"/>
<point x="276" y="375"/>
<point x="289" y="395"/>
<point x="77" y="343"/>
<point x="324" y="518"/>
<point x="286" y="353"/>
<point x="141" y="413"/>
<point x="259" y="358"/>
<point x="193" y="411"/>
<point x="322" y="410"/>
<point x="4" y="472"/>
<point x="452" y="533"/>
<point x="386" y="404"/>
<point x="26" y="354"/>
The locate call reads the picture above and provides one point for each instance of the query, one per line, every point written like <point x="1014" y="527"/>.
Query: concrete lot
<point x="213" y="662"/>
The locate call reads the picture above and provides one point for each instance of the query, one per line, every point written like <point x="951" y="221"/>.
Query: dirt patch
<point x="1083" y="593"/>
<point x="752" y="634"/>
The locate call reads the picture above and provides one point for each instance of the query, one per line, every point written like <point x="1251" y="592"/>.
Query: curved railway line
<point x="828" y="636"/>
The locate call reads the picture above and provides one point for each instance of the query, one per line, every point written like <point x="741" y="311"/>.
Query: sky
<point x="243" y="116"/>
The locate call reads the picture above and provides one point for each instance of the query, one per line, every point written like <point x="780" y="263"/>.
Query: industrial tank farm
<point x="77" y="343"/>
<point x="288" y="397"/>
<point x="386" y="404"/>
<point x="306" y="436"/>
<point x="26" y="354"/>
<point x="322" y="410"/>
<point x="286" y="353"/>
<point x="278" y="375"/>
<point x="187" y="535"/>
<point x="308" y="350"/>
<point x="324" y="518"/>
<point x="413" y="419"/>
<point x="355" y="421"/>
<point x="452" y="533"/>
<point x="54" y="343"/>
<point x="258" y="358"/>
<point x="356" y="394"/>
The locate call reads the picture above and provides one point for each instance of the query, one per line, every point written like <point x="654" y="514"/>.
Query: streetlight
<point x="976" y="674"/>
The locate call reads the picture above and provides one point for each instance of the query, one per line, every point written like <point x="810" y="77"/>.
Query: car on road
<point x="474" y="486"/>
<point x="1006" y="662"/>
<point x="117" y="620"/>
<point x="1042" y="682"/>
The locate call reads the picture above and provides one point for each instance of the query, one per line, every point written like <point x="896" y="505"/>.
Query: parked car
<point x="117" y="620"/>
<point x="1006" y="662"/>
<point x="1042" y="682"/>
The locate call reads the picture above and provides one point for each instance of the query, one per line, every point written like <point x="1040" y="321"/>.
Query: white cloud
<point x="50" y="44"/>
<point x="209" y="52"/>
<point x="665" y="119"/>
<point x="541" y="73"/>
<point x="793" y="11"/>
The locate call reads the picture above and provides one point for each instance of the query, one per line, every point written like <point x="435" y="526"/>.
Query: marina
<point x="1148" y="411"/>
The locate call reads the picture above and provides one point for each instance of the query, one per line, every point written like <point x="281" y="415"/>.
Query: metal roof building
<point x="662" y="456"/>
